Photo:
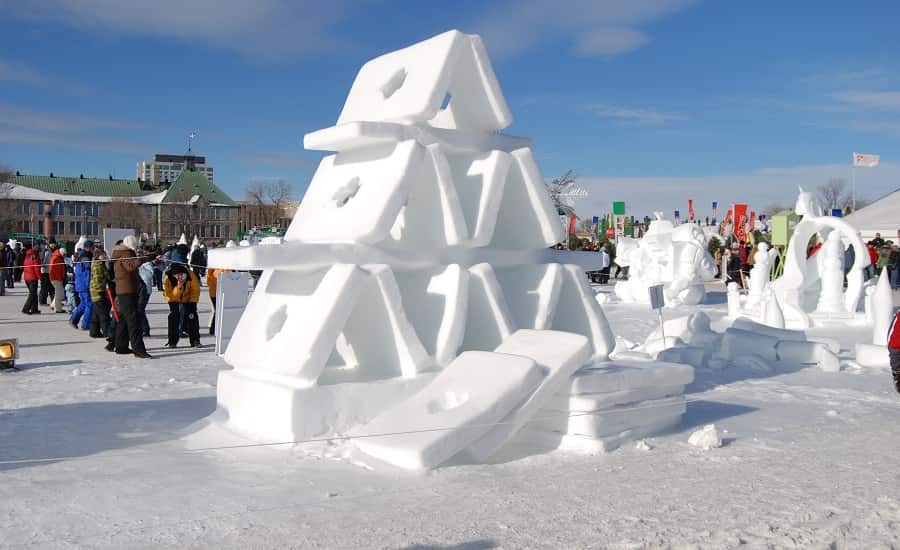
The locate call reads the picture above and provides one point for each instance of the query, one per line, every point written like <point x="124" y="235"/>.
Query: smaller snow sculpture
<point x="674" y="256"/>
<point x="832" y="276"/>
<point x="881" y="312"/>
<point x="759" y="275"/>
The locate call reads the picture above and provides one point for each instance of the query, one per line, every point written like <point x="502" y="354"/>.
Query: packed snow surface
<point x="105" y="459"/>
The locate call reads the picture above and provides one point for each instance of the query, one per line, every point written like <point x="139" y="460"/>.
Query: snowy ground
<point x="811" y="461"/>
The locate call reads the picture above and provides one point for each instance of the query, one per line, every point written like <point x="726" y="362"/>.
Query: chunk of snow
<point x="706" y="438"/>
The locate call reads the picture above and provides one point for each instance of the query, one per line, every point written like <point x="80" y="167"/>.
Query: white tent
<point x="882" y="216"/>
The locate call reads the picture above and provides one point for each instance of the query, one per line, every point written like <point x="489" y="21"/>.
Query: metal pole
<point x="662" y="328"/>
<point x="853" y="187"/>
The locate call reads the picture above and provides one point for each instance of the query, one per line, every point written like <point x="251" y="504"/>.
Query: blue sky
<point x="648" y="101"/>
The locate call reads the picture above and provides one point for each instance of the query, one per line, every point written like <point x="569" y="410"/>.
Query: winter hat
<point x="177" y="268"/>
<point x="131" y="242"/>
<point x="230" y="244"/>
<point x="88" y="243"/>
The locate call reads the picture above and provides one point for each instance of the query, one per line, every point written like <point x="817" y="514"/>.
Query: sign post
<point x="657" y="301"/>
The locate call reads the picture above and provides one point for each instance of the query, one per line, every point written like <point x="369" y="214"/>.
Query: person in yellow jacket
<point x="182" y="291"/>
<point x="212" y="281"/>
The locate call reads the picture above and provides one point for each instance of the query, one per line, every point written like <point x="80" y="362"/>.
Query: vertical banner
<point x="725" y="222"/>
<point x="677" y="217"/>
<point x="619" y="226"/>
<point x="751" y="222"/>
<point x="691" y="210"/>
<point x="739" y="217"/>
<point x="595" y="227"/>
<point x="572" y="223"/>
<point x="715" y="206"/>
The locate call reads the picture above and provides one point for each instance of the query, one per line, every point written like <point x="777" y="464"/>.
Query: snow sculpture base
<point x="272" y="411"/>
<point x="873" y="356"/>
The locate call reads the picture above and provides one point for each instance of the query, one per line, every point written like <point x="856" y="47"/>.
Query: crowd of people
<point x="106" y="294"/>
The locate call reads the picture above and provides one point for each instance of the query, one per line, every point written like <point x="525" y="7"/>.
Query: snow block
<point x="479" y="179"/>
<point x="357" y="195"/>
<point x="446" y="81"/>
<point x="587" y="444"/>
<point x="526" y="218"/>
<point x="532" y="293"/>
<point x="588" y="402"/>
<point x="475" y="391"/>
<point x="435" y="302"/>
<point x="737" y="342"/>
<point x="272" y="411"/>
<point x="488" y="322"/>
<point x="558" y="354"/>
<point x="432" y="216"/>
<point x="614" y="420"/>
<point x="623" y="375"/>
<point x="296" y="318"/>
<point x="785" y="334"/>
<point x="577" y="311"/>
<point x="873" y="356"/>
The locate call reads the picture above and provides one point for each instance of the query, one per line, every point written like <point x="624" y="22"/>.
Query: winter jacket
<point x="99" y="278"/>
<point x="126" y="268"/>
<point x="198" y="258"/>
<point x="57" y="266"/>
<point x="873" y="254"/>
<point x="3" y="258"/>
<point x="894" y="333"/>
<point x="190" y="293"/>
<point x="212" y="280"/>
<point x="83" y="273"/>
<point x="32" y="266"/>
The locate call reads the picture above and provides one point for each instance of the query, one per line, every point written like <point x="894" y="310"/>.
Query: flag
<point x="595" y="225"/>
<point x="690" y="210"/>
<point x="864" y="160"/>
<point x="715" y="206"/>
<point x="751" y="222"/>
<point x="572" y="221"/>
<point x="677" y="217"/>
<point x="739" y="218"/>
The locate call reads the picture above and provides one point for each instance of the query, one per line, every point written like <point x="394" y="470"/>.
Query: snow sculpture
<point x="810" y="284"/>
<point x="759" y="274"/>
<point x="674" y="256"/>
<point x="414" y="287"/>
<point x="882" y="313"/>
<point x="745" y="343"/>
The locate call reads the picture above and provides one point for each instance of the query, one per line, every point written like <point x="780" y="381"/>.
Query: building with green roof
<point x="68" y="207"/>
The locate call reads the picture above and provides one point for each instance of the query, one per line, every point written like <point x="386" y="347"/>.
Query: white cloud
<point x="594" y="27"/>
<point x="886" y="101"/>
<point x="623" y="116"/>
<point x="19" y="73"/>
<point x="609" y="41"/>
<point x="262" y="28"/>
<point x="758" y="188"/>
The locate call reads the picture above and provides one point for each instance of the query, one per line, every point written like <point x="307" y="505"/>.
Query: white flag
<point x="868" y="161"/>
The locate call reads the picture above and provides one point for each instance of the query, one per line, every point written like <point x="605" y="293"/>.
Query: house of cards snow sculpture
<point x="676" y="257"/>
<point x="414" y="291"/>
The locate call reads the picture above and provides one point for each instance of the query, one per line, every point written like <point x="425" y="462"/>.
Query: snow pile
<point x="706" y="438"/>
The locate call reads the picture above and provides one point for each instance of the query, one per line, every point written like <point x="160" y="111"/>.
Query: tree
<point x="557" y="187"/>
<point x="835" y="194"/>
<point x="775" y="208"/>
<point x="266" y="201"/>
<point x="121" y="212"/>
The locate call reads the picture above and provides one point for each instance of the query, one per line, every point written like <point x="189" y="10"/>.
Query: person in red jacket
<point x="894" y="350"/>
<point x="57" y="274"/>
<point x="31" y="272"/>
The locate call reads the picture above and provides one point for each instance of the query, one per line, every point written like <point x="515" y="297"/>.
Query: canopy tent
<point x="882" y="216"/>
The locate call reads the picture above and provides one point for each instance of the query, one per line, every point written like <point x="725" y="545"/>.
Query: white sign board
<point x="232" y="295"/>
<point x="657" y="297"/>
<point x="111" y="235"/>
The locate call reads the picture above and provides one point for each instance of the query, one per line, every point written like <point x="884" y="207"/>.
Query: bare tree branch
<point x="557" y="186"/>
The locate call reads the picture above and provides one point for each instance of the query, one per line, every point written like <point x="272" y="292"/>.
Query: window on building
<point x="71" y="208"/>
<point x="92" y="229"/>
<point x="75" y="228"/>
<point x="40" y="206"/>
<point x="78" y="208"/>
<point x="59" y="228"/>
<point x="92" y="209"/>
<point x="58" y="208"/>
<point x="216" y="231"/>
<point x="24" y="207"/>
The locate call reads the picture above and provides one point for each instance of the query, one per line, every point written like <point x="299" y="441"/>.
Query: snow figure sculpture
<point x="759" y="274"/>
<point x="414" y="287"/>
<point x="677" y="257"/>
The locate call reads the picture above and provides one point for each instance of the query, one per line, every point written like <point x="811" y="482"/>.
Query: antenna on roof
<point x="191" y="137"/>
